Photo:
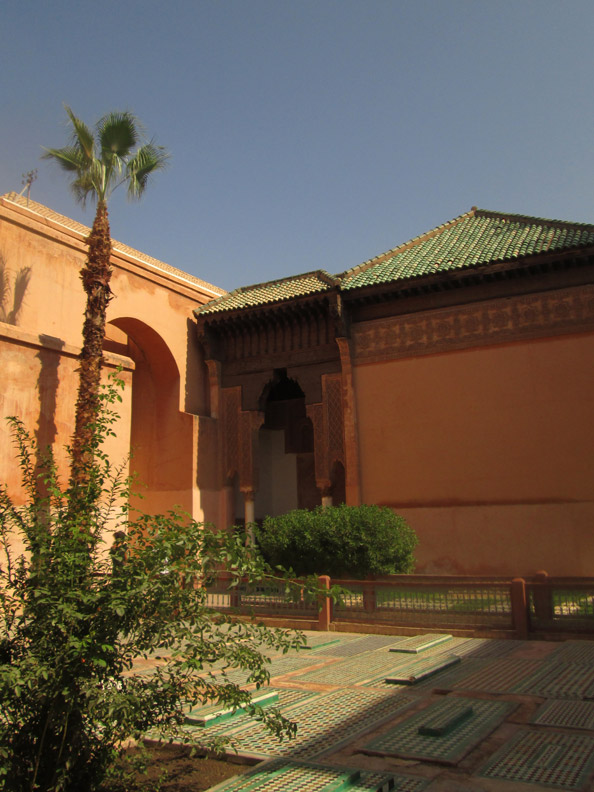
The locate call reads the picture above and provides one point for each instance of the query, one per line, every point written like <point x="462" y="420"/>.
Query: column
<point x="250" y="516"/>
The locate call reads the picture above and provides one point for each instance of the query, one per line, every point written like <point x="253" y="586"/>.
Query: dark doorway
<point x="286" y="450"/>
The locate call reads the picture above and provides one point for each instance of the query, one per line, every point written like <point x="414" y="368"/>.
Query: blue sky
<point x="308" y="134"/>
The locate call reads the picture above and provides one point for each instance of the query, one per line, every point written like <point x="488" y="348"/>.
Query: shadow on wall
<point x="47" y="389"/>
<point x="12" y="298"/>
<point x="196" y="396"/>
<point x="9" y="312"/>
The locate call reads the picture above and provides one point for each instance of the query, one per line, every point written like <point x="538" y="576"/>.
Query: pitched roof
<point x="118" y="247"/>
<point x="474" y="239"/>
<point x="272" y="292"/>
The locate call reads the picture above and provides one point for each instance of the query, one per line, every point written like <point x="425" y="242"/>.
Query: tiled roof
<point x="474" y="239"/>
<point x="119" y="247"/>
<point x="271" y="292"/>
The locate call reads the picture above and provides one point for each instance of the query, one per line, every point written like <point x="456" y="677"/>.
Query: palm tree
<point x="99" y="162"/>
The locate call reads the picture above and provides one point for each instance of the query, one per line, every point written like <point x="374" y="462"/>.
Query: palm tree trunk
<point x="95" y="276"/>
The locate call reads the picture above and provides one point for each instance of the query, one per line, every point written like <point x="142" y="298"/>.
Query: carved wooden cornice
<point x="490" y="322"/>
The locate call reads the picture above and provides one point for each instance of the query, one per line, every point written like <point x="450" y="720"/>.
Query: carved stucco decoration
<point x="328" y="425"/>
<point x="231" y="407"/>
<point x="489" y="322"/>
<point x="334" y="418"/>
<point x="250" y="422"/>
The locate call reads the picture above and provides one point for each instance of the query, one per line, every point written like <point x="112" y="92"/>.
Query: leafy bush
<point x="74" y="615"/>
<point x="340" y="541"/>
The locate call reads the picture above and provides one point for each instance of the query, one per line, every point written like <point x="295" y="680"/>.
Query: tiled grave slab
<point x="286" y="698"/>
<point x="420" y="668"/>
<point x="352" y="672"/>
<point x="566" y="714"/>
<point x="281" y="775"/>
<point x="279" y="666"/>
<point x="405" y="741"/>
<point x="361" y="645"/>
<point x="487" y="675"/>
<point x="546" y="759"/>
<point x="374" y="668"/>
<point x="420" y="643"/>
<point x="324" y="724"/>
<point x="215" y="713"/>
<point x="559" y="681"/>
<point x="579" y="652"/>
<point x="478" y="648"/>
<point x="501" y="676"/>
<point x="399" y="783"/>
<point x="286" y="775"/>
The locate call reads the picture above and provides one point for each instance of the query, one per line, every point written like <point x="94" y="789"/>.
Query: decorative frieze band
<point x="489" y="322"/>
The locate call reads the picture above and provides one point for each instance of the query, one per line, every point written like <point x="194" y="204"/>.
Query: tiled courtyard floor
<point x="462" y="714"/>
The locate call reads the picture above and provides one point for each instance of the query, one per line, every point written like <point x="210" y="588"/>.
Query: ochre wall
<point x="488" y="452"/>
<point x="151" y="332"/>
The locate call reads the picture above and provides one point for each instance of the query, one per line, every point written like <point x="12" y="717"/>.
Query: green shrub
<point x="340" y="541"/>
<point x="75" y="615"/>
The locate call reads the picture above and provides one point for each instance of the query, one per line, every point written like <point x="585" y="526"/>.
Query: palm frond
<point x="83" y="188"/>
<point x="118" y="134"/>
<point x="99" y="169"/>
<point x="82" y="136"/>
<point x="148" y="159"/>
<point x="69" y="158"/>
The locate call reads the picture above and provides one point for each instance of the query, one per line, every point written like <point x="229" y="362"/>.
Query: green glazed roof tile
<point x="475" y="239"/>
<point x="271" y="292"/>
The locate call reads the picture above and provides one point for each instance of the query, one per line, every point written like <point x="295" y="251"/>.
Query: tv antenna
<point x="28" y="179"/>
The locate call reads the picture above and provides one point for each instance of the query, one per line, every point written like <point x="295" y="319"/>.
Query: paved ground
<point x="459" y="714"/>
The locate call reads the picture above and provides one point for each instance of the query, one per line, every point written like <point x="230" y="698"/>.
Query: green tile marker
<point x="214" y="713"/>
<point x="420" y="668"/>
<point x="447" y="720"/>
<point x="420" y="643"/>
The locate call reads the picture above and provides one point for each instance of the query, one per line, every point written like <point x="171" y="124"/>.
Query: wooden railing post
<point x="325" y="604"/>
<point x="519" y="607"/>
<point x="234" y="594"/>
<point x="543" y="597"/>
<point x="234" y="598"/>
<point x="369" y="598"/>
